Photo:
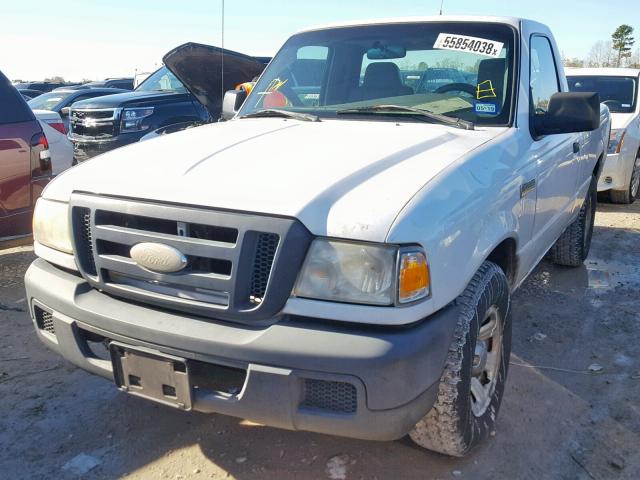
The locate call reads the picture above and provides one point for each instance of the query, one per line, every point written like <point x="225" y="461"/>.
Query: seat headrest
<point x="382" y="75"/>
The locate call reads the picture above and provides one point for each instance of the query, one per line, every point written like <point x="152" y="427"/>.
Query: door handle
<point x="576" y="147"/>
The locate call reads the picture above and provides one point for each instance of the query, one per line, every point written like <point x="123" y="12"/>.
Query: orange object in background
<point x="246" y="86"/>
<point x="275" y="99"/>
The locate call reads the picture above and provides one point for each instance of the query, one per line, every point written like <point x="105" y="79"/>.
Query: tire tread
<point x="440" y="430"/>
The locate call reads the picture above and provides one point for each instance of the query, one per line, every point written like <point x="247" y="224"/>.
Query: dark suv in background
<point x="43" y="87"/>
<point x="161" y="104"/>
<point x="122" y="83"/>
<point x="61" y="99"/>
<point x="25" y="163"/>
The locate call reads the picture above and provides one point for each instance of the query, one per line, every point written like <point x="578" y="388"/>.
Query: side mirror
<point x="569" y="113"/>
<point x="64" y="112"/>
<point x="233" y="100"/>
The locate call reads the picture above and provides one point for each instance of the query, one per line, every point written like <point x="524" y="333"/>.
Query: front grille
<point x="232" y="260"/>
<point x="339" y="397"/>
<point x="99" y="124"/>
<point x="44" y="320"/>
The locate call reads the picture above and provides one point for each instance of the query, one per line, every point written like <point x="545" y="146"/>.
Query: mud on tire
<point x="572" y="248"/>
<point x="455" y="424"/>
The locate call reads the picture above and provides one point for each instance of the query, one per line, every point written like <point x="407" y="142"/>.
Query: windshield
<point x="460" y="70"/>
<point x="49" y="101"/>
<point x="160" y="81"/>
<point x="617" y="93"/>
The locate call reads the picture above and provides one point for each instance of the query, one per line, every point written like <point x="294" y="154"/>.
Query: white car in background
<point x="59" y="145"/>
<point x="618" y="89"/>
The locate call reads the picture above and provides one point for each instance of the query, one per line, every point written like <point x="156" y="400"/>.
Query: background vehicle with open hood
<point x="186" y="91"/>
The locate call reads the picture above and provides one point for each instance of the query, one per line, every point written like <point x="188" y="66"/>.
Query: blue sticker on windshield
<point x="486" y="108"/>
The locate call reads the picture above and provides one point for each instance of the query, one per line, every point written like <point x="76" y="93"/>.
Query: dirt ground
<point x="571" y="408"/>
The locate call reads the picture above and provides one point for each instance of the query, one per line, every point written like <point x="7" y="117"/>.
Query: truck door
<point x="555" y="155"/>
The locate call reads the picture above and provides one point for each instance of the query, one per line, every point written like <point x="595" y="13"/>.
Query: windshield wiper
<point x="275" y="112"/>
<point x="373" y="109"/>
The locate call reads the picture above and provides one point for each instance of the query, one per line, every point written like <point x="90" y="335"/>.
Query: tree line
<point x="617" y="52"/>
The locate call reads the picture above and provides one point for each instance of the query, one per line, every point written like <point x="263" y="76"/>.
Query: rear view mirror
<point x="570" y="113"/>
<point x="386" y="52"/>
<point x="64" y="112"/>
<point x="233" y="100"/>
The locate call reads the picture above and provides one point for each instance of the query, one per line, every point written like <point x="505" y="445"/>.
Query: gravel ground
<point x="571" y="408"/>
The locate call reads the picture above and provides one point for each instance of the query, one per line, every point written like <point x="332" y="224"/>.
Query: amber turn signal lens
<point x="414" y="282"/>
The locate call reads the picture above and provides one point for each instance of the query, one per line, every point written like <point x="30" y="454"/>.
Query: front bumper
<point x="394" y="371"/>
<point x="84" y="149"/>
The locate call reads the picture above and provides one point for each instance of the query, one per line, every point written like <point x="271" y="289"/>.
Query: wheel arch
<point x="505" y="256"/>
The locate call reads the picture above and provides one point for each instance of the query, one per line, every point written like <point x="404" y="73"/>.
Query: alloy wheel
<point x="485" y="364"/>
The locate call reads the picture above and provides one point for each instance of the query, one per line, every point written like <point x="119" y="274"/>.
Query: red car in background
<point x="25" y="163"/>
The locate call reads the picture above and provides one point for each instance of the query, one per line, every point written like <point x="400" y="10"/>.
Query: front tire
<point x="572" y="248"/>
<point x="472" y="383"/>
<point x="629" y="195"/>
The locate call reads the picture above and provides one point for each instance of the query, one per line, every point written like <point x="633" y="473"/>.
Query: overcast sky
<point x="110" y="38"/>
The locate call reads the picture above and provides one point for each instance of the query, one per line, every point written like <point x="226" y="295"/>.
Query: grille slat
<point x="339" y="397"/>
<point x="206" y="280"/>
<point x="189" y="246"/>
<point x="151" y="225"/>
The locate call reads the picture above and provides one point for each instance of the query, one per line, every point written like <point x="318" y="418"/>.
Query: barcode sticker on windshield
<point x="481" y="46"/>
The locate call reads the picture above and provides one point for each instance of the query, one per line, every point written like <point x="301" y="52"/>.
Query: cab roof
<point x="513" y="21"/>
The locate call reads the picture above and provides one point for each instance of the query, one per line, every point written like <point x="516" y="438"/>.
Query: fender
<point x="463" y="216"/>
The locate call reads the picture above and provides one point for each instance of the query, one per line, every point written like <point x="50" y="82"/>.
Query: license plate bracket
<point x="152" y="375"/>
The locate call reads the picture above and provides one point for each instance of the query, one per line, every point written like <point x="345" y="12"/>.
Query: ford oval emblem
<point x="158" y="257"/>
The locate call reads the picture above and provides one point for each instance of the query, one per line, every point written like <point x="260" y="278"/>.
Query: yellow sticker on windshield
<point x="485" y="90"/>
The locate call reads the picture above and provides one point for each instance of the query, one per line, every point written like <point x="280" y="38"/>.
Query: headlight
<point x="51" y="225"/>
<point x="616" y="138"/>
<point x="362" y="273"/>
<point x="132" y="119"/>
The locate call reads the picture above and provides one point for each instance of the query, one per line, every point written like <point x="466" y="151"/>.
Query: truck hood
<point x="199" y="68"/>
<point x="128" y="98"/>
<point x="341" y="178"/>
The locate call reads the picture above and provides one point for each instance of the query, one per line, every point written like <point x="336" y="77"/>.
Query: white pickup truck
<point x="341" y="255"/>
<point x="618" y="90"/>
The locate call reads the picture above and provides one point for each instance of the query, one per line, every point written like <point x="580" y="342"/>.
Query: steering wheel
<point x="457" y="87"/>
<point x="613" y="104"/>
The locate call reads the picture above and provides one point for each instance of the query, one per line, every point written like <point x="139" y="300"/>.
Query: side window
<point x="544" y="75"/>
<point x="13" y="108"/>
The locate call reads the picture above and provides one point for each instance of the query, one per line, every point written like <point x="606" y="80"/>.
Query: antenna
<point x="441" y="4"/>
<point x="222" y="64"/>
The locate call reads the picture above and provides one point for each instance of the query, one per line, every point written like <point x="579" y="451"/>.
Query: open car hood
<point x="199" y="68"/>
